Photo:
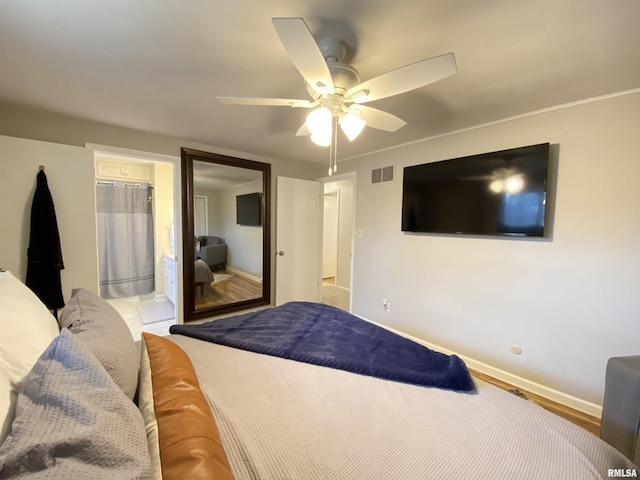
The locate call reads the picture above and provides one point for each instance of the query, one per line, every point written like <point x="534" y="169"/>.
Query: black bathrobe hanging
<point x="44" y="256"/>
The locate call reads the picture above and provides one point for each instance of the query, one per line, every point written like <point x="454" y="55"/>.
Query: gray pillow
<point x="72" y="421"/>
<point x="106" y="334"/>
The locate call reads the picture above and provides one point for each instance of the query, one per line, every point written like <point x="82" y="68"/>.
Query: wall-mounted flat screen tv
<point x="249" y="209"/>
<point x="498" y="193"/>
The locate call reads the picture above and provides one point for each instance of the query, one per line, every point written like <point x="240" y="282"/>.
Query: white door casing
<point x="298" y="251"/>
<point x="201" y="215"/>
<point x="330" y="231"/>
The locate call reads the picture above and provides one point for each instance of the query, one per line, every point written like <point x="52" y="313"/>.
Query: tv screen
<point x="498" y="193"/>
<point x="249" y="209"/>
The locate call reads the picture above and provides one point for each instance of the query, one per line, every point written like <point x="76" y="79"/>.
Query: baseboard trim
<point x="534" y="387"/>
<point x="242" y="274"/>
<point x="338" y="286"/>
<point x="549" y="393"/>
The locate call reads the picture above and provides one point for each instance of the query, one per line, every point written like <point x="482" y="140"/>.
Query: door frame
<point x="206" y="211"/>
<point x="177" y="211"/>
<point x="335" y="240"/>
<point x="353" y="176"/>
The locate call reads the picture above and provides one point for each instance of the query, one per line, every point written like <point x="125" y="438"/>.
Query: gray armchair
<point x="621" y="408"/>
<point x="213" y="250"/>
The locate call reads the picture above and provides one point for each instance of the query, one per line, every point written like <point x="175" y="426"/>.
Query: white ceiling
<point x="219" y="177"/>
<point x="157" y="65"/>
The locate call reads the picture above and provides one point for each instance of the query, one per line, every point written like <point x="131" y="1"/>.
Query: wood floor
<point x="227" y="288"/>
<point x="589" y="423"/>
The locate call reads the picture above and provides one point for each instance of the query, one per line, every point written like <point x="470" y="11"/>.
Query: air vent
<point x="382" y="175"/>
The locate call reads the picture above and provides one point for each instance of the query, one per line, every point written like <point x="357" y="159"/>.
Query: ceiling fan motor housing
<point x="333" y="49"/>
<point x="344" y="77"/>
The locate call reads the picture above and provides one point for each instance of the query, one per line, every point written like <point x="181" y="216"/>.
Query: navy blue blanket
<point x="327" y="336"/>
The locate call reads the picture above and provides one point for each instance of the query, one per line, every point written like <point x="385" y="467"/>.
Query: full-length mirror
<point x="225" y="202"/>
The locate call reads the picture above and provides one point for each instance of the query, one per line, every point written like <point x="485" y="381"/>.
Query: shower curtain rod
<point x="111" y="183"/>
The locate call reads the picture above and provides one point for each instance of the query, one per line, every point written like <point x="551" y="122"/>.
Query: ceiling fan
<point x="335" y="86"/>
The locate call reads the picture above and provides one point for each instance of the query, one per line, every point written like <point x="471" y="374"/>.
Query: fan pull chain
<point x="333" y="148"/>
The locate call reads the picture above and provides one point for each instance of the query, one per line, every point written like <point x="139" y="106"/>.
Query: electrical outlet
<point x="386" y="304"/>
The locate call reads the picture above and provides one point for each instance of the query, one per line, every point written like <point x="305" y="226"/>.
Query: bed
<point x="85" y="401"/>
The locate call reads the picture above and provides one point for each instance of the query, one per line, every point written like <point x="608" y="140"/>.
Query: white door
<point x="298" y="240"/>
<point x="201" y="216"/>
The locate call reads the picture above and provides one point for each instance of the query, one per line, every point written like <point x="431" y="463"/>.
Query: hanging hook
<point x="41" y="168"/>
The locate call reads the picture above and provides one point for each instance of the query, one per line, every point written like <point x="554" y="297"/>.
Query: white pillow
<point x="26" y="330"/>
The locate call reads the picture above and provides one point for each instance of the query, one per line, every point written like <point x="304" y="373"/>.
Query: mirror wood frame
<point x="188" y="156"/>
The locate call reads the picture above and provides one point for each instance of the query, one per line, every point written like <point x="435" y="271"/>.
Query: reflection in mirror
<point x="227" y="234"/>
<point x="225" y="203"/>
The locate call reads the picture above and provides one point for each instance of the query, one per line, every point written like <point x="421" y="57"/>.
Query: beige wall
<point x="163" y="217"/>
<point x="70" y="175"/>
<point x="23" y="122"/>
<point x="245" y="242"/>
<point x="213" y="210"/>
<point x="570" y="301"/>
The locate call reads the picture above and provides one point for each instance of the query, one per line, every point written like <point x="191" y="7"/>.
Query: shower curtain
<point x="125" y="238"/>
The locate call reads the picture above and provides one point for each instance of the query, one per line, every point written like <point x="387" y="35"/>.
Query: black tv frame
<point x="535" y="159"/>
<point x="249" y="209"/>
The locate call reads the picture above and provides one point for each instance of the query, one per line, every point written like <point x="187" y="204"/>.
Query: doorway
<point x="337" y="236"/>
<point x="152" y="308"/>
<point x="201" y="215"/>
<point x="299" y="240"/>
<point x="330" y="237"/>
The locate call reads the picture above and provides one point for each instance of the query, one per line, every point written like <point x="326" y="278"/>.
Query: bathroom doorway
<point x="135" y="212"/>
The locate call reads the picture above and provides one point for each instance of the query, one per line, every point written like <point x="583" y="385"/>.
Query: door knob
<point x="281" y="253"/>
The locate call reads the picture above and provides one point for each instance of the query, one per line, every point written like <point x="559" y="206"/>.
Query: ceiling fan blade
<point x="275" y="102"/>
<point x="303" y="130"/>
<point x="304" y="53"/>
<point x="404" y="79"/>
<point x="378" y="119"/>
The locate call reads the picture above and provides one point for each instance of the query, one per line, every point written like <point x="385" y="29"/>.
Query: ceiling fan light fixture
<point x="351" y="124"/>
<point x="319" y="120"/>
<point x="514" y="184"/>
<point x="322" y="137"/>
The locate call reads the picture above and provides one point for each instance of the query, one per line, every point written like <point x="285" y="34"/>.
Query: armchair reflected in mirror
<point x="226" y="233"/>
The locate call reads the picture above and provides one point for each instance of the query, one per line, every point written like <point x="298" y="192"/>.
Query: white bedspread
<point x="281" y="419"/>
